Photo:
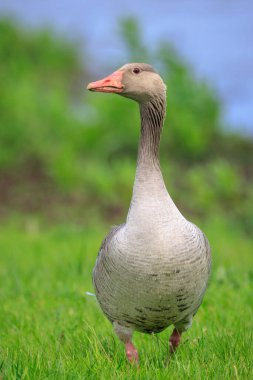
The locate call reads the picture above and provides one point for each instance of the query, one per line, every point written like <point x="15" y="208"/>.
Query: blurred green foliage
<point x="84" y="146"/>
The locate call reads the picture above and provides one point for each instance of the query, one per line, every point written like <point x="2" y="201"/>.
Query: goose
<point x="152" y="271"/>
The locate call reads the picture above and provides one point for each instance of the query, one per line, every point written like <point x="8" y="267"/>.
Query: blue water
<point x="216" y="36"/>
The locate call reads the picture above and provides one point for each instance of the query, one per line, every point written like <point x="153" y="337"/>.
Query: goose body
<point x="152" y="271"/>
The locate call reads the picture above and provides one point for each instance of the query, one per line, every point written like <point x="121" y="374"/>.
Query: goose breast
<point x="150" y="281"/>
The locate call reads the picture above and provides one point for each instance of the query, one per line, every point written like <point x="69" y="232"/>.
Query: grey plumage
<point x="152" y="271"/>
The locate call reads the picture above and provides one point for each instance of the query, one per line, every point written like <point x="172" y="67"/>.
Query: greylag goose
<point x="152" y="271"/>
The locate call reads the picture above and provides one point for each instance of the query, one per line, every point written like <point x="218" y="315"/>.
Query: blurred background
<point x="68" y="156"/>
<point x="67" y="167"/>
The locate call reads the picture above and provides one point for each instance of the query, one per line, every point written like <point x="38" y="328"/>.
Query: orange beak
<point x="112" y="83"/>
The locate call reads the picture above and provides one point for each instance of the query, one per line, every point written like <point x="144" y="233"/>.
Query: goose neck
<point x="152" y="119"/>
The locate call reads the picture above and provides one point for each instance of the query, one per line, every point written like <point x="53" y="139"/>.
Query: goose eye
<point x="136" y="70"/>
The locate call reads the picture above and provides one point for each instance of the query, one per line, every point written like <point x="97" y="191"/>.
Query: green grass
<point x="50" y="329"/>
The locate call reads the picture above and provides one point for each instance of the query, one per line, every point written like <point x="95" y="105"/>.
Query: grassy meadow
<point x="51" y="329"/>
<point x="67" y="164"/>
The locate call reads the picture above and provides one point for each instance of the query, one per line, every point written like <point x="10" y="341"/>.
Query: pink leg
<point x="131" y="353"/>
<point x="125" y="335"/>
<point x="174" y="340"/>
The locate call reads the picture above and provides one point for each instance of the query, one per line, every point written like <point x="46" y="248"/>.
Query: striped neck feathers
<point x="152" y="119"/>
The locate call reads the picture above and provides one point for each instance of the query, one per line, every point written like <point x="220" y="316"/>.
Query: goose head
<point x="137" y="81"/>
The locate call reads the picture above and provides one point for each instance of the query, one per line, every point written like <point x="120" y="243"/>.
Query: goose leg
<point x="125" y="335"/>
<point x="180" y="327"/>
<point x="131" y="353"/>
<point x="174" y="340"/>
